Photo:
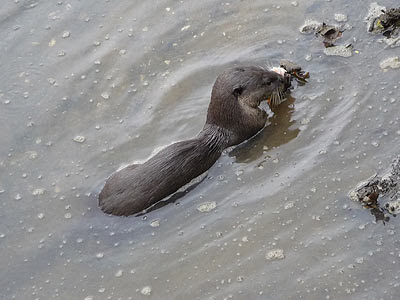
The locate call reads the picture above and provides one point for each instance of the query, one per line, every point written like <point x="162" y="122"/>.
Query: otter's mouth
<point x="273" y="99"/>
<point x="256" y="104"/>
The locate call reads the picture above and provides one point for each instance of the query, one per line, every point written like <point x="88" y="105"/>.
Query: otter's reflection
<point x="273" y="135"/>
<point x="379" y="214"/>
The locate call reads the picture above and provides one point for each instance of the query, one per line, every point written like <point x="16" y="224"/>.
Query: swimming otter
<point x="233" y="116"/>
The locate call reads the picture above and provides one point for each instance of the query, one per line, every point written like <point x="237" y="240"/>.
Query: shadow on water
<point x="274" y="135"/>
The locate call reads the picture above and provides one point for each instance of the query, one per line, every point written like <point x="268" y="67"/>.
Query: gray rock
<point x="310" y="26"/>
<point x="341" y="50"/>
<point x="390" y="62"/>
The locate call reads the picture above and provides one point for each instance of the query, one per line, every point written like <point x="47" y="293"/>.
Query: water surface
<point x="124" y="78"/>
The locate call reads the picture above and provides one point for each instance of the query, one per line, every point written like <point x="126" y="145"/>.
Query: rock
<point x="329" y="33"/>
<point x="375" y="10"/>
<point x="390" y="62"/>
<point x="393" y="41"/>
<point x="394" y="206"/>
<point x="310" y="26"/>
<point x="380" y="193"/>
<point x="391" y="18"/>
<point x="341" y="50"/>
<point x="387" y="22"/>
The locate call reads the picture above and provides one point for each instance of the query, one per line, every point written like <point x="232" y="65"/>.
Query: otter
<point x="233" y="116"/>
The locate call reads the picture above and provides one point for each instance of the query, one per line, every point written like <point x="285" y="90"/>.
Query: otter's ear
<point x="237" y="91"/>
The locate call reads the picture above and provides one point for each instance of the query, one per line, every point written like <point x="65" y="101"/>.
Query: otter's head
<point x="236" y="97"/>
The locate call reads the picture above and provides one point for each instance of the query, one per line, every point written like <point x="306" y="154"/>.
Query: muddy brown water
<point x="124" y="78"/>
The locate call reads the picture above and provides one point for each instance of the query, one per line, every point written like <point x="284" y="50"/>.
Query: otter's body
<point x="233" y="117"/>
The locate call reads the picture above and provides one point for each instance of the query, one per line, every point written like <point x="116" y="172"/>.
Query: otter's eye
<point x="238" y="91"/>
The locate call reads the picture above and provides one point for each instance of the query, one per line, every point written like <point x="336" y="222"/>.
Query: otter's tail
<point x="137" y="187"/>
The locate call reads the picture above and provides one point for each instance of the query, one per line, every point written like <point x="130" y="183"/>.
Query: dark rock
<point x="381" y="193"/>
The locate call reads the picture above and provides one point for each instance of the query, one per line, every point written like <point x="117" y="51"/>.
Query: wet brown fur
<point x="233" y="117"/>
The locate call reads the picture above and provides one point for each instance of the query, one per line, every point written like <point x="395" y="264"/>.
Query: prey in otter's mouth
<point x="233" y="116"/>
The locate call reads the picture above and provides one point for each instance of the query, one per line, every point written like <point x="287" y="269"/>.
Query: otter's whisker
<point x="270" y="64"/>
<point x="280" y="94"/>
<point x="272" y="99"/>
<point x="263" y="67"/>
<point x="277" y="98"/>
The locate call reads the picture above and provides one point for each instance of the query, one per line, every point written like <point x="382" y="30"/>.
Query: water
<point x="89" y="86"/>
